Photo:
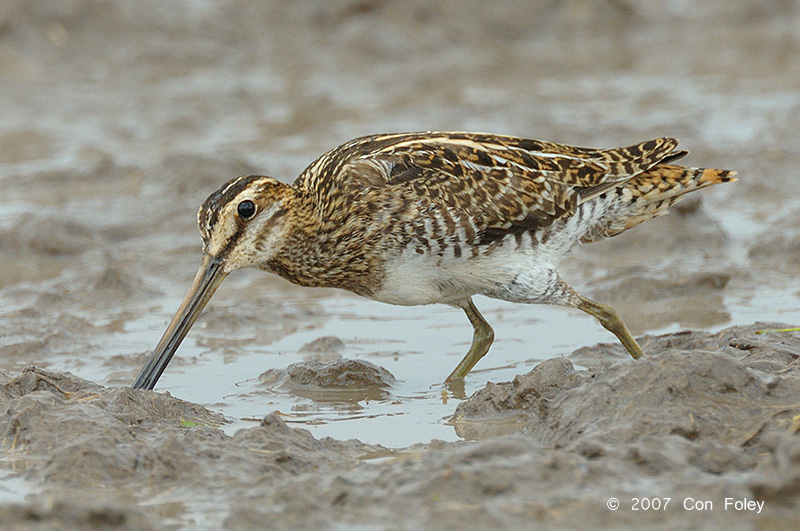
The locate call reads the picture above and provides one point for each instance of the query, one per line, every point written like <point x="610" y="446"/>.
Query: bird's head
<point x="241" y="224"/>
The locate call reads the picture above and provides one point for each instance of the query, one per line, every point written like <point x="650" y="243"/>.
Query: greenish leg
<point x="482" y="338"/>
<point x="611" y="321"/>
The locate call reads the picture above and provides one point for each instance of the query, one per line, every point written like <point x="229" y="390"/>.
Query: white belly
<point x="416" y="279"/>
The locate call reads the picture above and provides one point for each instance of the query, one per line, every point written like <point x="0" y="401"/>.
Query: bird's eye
<point x="246" y="209"/>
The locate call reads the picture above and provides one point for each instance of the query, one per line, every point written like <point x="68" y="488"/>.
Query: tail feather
<point x="670" y="181"/>
<point x="710" y="176"/>
<point x="650" y="194"/>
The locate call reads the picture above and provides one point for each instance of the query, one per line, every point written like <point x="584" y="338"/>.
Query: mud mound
<point x="338" y="380"/>
<point x="731" y="387"/>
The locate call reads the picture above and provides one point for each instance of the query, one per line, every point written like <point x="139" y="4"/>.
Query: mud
<point x="704" y="416"/>
<point x="332" y="381"/>
<point x="301" y="408"/>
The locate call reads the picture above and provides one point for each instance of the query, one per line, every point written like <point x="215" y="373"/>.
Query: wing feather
<point x="502" y="184"/>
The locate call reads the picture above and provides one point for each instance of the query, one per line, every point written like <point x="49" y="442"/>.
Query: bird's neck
<point x="296" y="257"/>
<point x="315" y="250"/>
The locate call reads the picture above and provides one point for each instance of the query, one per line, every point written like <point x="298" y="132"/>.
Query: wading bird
<point x="423" y="218"/>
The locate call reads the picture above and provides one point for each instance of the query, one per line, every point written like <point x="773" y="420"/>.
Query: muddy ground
<point x="118" y="119"/>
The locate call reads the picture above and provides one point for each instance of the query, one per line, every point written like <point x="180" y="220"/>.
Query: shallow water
<point x="419" y="346"/>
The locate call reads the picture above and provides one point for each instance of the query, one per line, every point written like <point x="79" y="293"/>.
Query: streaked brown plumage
<point x="419" y="218"/>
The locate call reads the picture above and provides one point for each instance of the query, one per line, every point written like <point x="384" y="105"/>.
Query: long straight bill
<point x="209" y="277"/>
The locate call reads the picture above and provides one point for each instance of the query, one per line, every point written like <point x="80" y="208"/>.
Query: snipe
<point x="422" y="218"/>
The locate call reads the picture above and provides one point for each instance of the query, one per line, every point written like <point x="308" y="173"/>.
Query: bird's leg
<point x="610" y="320"/>
<point x="482" y="337"/>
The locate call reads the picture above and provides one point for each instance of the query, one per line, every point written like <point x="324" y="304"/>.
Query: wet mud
<point x="705" y="417"/>
<point x="305" y="408"/>
<point x="337" y="380"/>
